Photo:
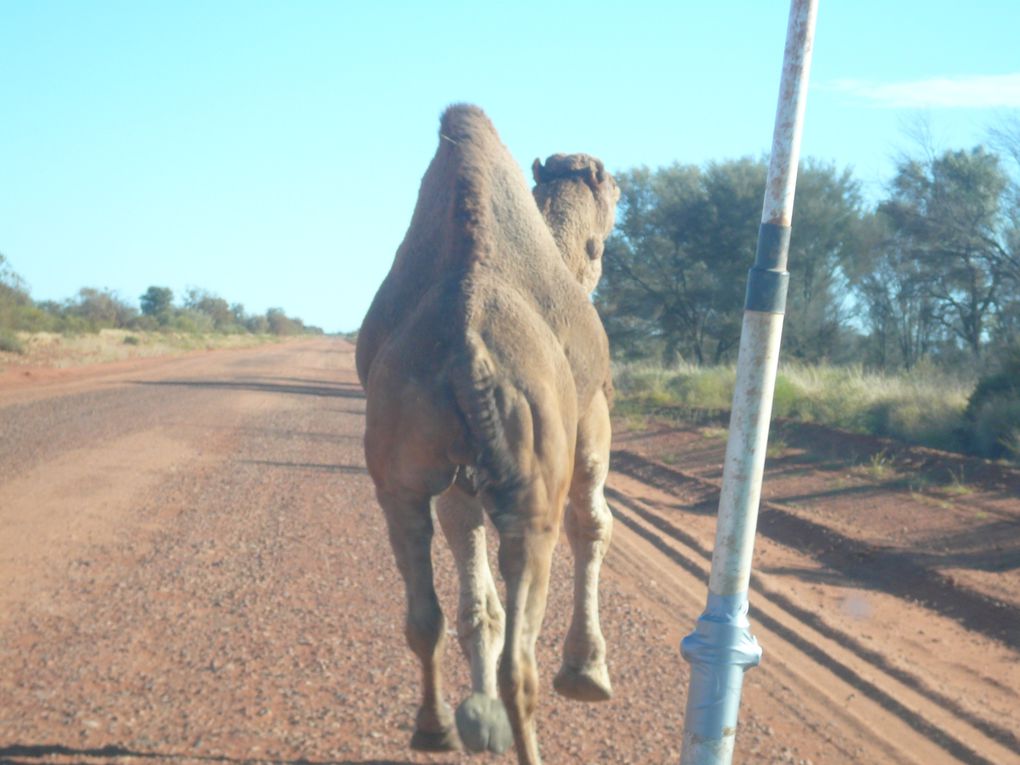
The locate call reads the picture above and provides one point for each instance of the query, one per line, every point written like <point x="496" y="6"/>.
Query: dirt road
<point x="193" y="569"/>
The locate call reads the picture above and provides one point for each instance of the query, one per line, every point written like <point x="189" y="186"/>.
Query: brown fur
<point x="482" y="358"/>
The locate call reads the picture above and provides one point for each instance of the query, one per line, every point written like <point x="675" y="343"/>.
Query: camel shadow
<point x="30" y="754"/>
<point x="322" y="389"/>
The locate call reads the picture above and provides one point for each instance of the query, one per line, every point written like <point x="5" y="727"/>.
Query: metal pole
<point x="721" y="648"/>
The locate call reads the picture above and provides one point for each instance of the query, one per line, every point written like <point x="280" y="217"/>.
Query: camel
<point x="486" y="372"/>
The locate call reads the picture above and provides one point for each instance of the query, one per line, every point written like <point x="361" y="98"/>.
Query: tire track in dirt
<point x="897" y="691"/>
<point x="996" y="732"/>
<point x="864" y="562"/>
<point x="884" y="698"/>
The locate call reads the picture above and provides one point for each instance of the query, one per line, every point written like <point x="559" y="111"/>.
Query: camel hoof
<point x="590" y="683"/>
<point x="441" y="741"/>
<point x="483" y="724"/>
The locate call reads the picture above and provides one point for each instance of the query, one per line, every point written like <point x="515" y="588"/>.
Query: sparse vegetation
<point x="64" y="349"/>
<point x="957" y="485"/>
<point x="776" y="448"/>
<point x="889" y="298"/>
<point x="879" y="465"/>
<point x="90" y="325"/>
<point x="924" y="406"/>
<point x="98" y="325"/>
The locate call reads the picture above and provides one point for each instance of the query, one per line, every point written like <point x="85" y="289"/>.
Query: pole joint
<point x="720" y="650"/>
<point x="768" y="279"/>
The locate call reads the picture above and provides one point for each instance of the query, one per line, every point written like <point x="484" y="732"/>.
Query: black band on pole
<point x="768" y="279"/>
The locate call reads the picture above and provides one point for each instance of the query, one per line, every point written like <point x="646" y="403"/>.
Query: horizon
<point x="271" y="154"/>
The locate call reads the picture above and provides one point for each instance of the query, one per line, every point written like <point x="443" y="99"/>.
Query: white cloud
<point x="971" y="92"/>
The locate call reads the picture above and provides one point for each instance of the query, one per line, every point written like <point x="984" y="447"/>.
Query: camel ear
<point x="595" y="174"/>
<point x="595" y="248"/>
<point x="536" y="171"/>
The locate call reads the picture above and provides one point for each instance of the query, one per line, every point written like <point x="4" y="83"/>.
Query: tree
<point x="1006" y="332"/>
<point x="158" y="303"/>
<point x="100" y="308"/>
<point x="216" y="308"/>
<point x="893" y="303"/>
<point x="826" y="237"/>
<point x="947" y="215"/>
<point x="280" y="324"/>
<point x="675" y="270"/>
<point x="13" y="294"/>
<point x="680" y="250"/>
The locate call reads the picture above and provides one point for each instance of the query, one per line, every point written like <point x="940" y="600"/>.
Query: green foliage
<point x="94" y="309"/>
<point x="257" y="325"/>
<point x="281" y="324"/>
<point x="947" y="219"/>
<point x="190" y="322"/>
<point x="996" y="429"/>
<point x="680" y="249"/>
<point x="1003" y="382"/>
<point x="98" y="308"/>
<point x="10" y="342"/>
<point x="218" y="311"/>
<point x="157" y="302"/>
<point x="675" y="270"/>
<point x="993" y="410"/>
<point x="17" y="312"/>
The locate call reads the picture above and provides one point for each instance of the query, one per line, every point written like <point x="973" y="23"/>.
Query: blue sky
<point x="270" y="152"/>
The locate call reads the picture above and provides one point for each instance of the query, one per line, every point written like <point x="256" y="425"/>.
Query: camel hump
<point x="475" y="391"/>
<point x="470" y="142"/>
<point x="465" y="123"/>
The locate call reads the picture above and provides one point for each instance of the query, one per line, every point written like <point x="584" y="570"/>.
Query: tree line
<point x="928" y="273"/>
<point x="93" y="309"/>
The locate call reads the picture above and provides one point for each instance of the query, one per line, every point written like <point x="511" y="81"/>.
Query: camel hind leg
<point x="409" y="521"/>
<point x="481" y="718"/>
<point x="527" y="540"/>
<point x="589" y="525"/>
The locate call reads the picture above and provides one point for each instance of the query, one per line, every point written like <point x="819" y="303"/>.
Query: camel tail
<point x="476" y="394"/>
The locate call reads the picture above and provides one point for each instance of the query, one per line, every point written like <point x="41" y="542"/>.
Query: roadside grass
<point x="924" y="407"/>
<point x="59" y="350"/>
<point x="957" y="485"/>
<point x="879" y="466"/>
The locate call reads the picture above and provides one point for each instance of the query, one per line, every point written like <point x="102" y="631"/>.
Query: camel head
<point x="577" y="198"/>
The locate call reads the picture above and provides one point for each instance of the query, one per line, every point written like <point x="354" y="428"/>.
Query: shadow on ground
<point x="323" y="389"/>
<point x="910" y="575"/>
<point x="30" y="754"/>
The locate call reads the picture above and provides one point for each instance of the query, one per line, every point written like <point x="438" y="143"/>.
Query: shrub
<point x="993" y="411"/>
<point x="10" y="342"/>
<point x="995" y="431"/>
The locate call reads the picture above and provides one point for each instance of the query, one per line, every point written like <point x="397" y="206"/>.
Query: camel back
<point x="475" y="222"/>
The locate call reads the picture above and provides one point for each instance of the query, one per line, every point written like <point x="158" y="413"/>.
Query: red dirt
<point x="193" y="569"/>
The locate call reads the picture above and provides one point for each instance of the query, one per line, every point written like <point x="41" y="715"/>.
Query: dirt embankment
<point x="193" y="569"/>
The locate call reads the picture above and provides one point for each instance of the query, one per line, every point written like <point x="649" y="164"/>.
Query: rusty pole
<point x="721" y="648"/>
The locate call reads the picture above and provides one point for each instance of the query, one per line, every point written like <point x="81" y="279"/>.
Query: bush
<point x="993" y="411"/>
<point x="10" y="342"/>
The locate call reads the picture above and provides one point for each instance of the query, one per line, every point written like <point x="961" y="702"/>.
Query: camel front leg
<point x="409" y="521"/>
<point x="589" y="525"/>
<point x="481" y="718"/>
